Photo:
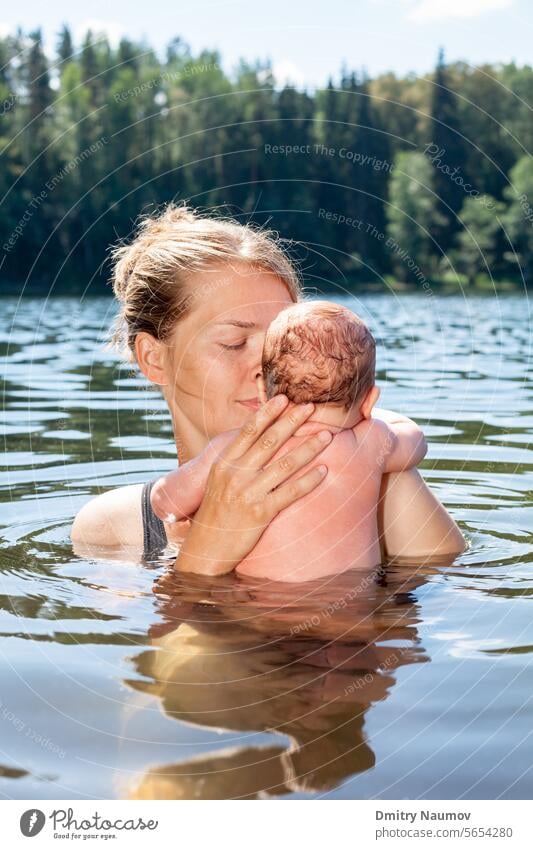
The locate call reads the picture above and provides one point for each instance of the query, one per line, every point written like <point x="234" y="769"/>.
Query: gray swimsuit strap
<point x="154" y="534"/>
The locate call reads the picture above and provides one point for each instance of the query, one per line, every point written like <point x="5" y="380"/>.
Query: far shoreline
<point x="483" y="285"/>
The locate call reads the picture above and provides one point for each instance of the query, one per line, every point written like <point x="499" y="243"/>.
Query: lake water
<point x="122" y="680"/>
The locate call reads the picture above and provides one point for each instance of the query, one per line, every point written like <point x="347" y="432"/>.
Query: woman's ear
<point x="151" y="358"/>
<point x="261" y="389"/>
<point x="369" y="402"/>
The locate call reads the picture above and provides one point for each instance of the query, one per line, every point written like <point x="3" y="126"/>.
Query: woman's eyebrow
<point x="235" y="323"/>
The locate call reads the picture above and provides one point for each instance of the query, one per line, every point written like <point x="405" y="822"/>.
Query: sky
<point x="306" y="40"/>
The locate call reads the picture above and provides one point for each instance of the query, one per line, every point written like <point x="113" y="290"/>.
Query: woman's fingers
<point x="291" y="491"/>
<point x="279" y="470"/>
<point x="254" y="427"/>
<point x="267" y="443"/>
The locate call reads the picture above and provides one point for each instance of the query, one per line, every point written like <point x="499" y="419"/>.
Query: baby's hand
<point x="178" y="495"/>
<point x="161" y="498"/>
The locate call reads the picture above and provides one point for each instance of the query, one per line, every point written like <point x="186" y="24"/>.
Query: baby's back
<point x="332" y="528"/>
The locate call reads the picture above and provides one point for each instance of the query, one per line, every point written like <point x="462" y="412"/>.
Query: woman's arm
<point x="412" y="521"/>
<point x="109" y="520"/>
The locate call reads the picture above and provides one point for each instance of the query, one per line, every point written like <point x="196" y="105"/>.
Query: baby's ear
<point x="370" y="400"/>
<point x="261" y="389"/>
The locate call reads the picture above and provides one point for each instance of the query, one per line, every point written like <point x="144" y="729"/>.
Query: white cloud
<point x="287" y="73"/>
<point x="433" y="10"/>
<point x="98" y="27"/>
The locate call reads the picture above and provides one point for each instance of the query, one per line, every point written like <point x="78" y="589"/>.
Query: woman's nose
<point x="255" y="373"/>
<point x="256" y="354"/>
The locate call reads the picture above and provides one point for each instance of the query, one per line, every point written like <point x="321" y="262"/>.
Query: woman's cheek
<point x="220" y="377"/>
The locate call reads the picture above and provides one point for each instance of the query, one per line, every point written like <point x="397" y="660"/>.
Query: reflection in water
<point x="304" y="663"/>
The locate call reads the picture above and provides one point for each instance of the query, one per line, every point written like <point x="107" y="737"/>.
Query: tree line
<point x="414" y="181"/>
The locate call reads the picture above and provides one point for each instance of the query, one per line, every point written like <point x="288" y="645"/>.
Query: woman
<point x="197" y="295"/>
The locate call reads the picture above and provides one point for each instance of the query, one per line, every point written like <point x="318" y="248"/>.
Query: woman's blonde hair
<point x="154" y="276"/>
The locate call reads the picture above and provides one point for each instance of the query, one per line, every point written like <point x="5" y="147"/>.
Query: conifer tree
<point x="65" y="46"/>
<point x="447" y="152"/>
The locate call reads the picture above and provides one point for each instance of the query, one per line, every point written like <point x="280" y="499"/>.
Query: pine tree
<point x="372" y="176"/>
<point x="65" y="47"/>
<point x="89" y="67"/>
<point x="329" y="197"/>
<point x="128" y="54"/>
<point x="447" y="151"/>
<point x="40" y="95"/>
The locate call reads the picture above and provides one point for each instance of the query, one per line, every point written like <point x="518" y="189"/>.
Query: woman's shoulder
<point x="111" y="518"/>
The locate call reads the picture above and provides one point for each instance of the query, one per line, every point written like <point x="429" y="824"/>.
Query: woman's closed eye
<point x="233" y="347"/>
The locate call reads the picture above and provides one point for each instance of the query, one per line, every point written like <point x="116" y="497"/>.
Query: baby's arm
<point x="402" y="444"/>
<point x="178" y="494"/>
<point x="390" y="417"/>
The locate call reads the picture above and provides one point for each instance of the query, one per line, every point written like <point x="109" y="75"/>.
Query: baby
<point x="321" y="352"/>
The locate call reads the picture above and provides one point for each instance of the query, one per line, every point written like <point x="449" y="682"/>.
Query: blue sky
<point x="306" y="40"/>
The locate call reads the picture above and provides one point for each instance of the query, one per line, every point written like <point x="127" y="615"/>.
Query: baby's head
<point x="321" y="352"/>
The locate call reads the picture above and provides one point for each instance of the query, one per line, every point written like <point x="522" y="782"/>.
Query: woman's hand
<point x="244" y="492"/>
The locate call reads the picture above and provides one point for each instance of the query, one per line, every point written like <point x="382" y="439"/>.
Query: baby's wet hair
<point x="320" y="352"/>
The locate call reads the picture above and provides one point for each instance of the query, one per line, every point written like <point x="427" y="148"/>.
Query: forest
<point x="378" y="183"/>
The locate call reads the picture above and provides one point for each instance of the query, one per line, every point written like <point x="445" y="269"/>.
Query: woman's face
<point x="214" y="353"/>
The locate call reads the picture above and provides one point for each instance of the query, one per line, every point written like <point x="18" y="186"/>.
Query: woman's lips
<point x="251" y="403"/>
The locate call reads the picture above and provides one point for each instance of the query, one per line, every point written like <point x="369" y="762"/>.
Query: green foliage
<point x="519" y="218"/>
<point x="409" y="214"/>
<point x="478" y="240"/>
<point x="101" y="134"/>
